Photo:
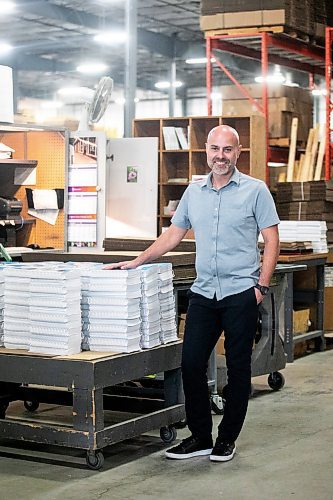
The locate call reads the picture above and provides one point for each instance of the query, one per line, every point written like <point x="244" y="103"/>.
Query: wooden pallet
<point x="296" y="34"/>
<point x="248" y="30"/>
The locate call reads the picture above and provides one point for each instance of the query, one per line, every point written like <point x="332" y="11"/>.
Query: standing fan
<point x="95" y="109"/>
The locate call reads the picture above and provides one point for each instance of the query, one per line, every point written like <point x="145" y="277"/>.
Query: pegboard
<point x="49" y="149"/>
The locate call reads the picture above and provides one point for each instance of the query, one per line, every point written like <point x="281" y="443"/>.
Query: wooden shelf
<point x="173" y="163"/>
<point x="19" y="163"/>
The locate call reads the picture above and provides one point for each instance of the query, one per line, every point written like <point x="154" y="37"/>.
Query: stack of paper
<point x="167" y="303"/>
<point x="16" y="306"/>
<point x="55" y="311"/>
<point x="111" y="310"/>
<point x="2" y="303"/>
<point x="313" y="231"/>
<point x="150" y="307"/>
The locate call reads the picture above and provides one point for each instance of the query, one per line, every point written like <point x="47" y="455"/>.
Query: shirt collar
<point x="235" y="178"/>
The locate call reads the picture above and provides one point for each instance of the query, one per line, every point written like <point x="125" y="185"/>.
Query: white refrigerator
<point x="132" y="187"/>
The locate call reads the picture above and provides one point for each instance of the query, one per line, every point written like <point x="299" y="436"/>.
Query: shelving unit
<point x="267" y="48"/>
<point x="176" y="167"/>
<point x="19" y="163"/>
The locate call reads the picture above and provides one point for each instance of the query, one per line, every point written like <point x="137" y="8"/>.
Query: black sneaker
<point x="189" y="448"/>
<point x="223" y="451"/>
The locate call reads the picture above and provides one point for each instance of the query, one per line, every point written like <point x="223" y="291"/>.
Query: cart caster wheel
<point x="31" y="405"/>
<point x="168" y="434"/>
<point x="95" y="460"/>
<point x="3" y="409"/>
<point x="276" y="381"/>
<point x="216" y="403"/>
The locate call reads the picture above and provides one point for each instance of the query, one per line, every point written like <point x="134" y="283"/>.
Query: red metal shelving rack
<point x="329" y="103"/>
<point x="266" y="47"/>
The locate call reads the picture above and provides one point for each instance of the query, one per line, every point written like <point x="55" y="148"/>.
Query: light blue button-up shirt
<point x="226" y="224"/>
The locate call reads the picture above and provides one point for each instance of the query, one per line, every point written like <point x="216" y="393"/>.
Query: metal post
<point x="264" y="70"/>
<point x="172" y="89"/>
<point x="328" y="70"/>
<point x="130" y="65"/>
<point x="184" y="102"/>
<point x="209" y="75"/>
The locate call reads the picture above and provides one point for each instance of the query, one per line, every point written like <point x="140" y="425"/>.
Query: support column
<point x="130" y="65"/>
<point x="172" y="89"/>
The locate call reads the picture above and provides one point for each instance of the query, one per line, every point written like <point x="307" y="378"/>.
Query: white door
<point x="132" y="187"/>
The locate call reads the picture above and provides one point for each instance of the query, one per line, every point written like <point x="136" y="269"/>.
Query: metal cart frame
<point x="87" y="380"/>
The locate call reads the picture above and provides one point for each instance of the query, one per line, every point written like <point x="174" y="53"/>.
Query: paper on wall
<point x="45" y="199"/>
<point x="49" y="216"/>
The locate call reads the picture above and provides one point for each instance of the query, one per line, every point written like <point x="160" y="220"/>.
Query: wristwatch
<point x="262" y="289"/>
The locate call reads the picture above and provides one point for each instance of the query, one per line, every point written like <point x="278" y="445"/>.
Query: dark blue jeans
<point x="237" y="316"/>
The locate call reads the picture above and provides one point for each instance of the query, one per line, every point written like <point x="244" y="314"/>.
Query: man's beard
<point x="223" y="169"/>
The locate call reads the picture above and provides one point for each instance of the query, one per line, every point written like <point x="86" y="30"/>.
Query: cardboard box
<point x="213" y="22"/>
<point x="274" y="17"/>
<point x="301" y="320"/>
<point x="274" y="90"/>
<point x="242" y="19"/>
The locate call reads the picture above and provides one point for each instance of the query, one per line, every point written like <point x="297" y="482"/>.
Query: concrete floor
<point x="285" y="451"/>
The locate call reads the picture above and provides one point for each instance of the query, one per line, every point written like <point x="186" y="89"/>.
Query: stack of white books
<point x="55" y="310"/>
<point x="312" y="231"/>
<point x="150" y="307"/>
<point x="2" y="303"/>
<point x="16" y="325"/>
<point x="110" y="308"/>
<point x="167" y="303"/>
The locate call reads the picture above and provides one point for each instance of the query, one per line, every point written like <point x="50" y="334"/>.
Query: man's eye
<point x="228" y="150"/>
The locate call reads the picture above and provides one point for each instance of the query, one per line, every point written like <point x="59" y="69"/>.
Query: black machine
<point x="10" y="218"/>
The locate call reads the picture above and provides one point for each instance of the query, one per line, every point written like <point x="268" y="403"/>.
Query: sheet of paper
<point x="25" y="176"/>
<point x="49" y="216"/>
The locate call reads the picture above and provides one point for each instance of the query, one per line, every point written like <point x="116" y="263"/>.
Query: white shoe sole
<point x="218" y="458"/>
<point x="178" y="456"/>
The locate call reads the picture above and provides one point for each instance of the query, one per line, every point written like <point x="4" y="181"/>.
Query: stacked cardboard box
<point x="311" y="200"/>
<point x="293" y="14"/>
<point x="284" y="104"/>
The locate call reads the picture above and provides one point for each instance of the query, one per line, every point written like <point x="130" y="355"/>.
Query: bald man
<point x="226" y="211"/>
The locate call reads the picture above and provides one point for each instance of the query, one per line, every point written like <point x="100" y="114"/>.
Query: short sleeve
<point x="181" y="218"/>
<point x="265" y="210"/>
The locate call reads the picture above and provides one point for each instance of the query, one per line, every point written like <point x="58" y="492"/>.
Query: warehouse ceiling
<point x="51" y="38"/>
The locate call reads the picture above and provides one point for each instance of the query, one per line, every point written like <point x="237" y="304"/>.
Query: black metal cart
<point x="93" y="383"/>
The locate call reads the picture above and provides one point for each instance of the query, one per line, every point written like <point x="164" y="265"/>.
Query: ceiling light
<point x="199" y="60"/>
<point x="7" y="7"/>
<point x="166" y="85"/>
<point x="120" y="100"/>
<point x="92" y="68"/>
<point x="276" y="77"/>
<point x="111" y="37"/>
<point x="5" y="48"/>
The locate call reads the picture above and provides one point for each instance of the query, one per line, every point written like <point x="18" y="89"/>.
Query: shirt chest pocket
<point x="239" y="216"/>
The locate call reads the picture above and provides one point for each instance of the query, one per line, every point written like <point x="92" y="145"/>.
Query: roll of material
<point x="6" y="95"/>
